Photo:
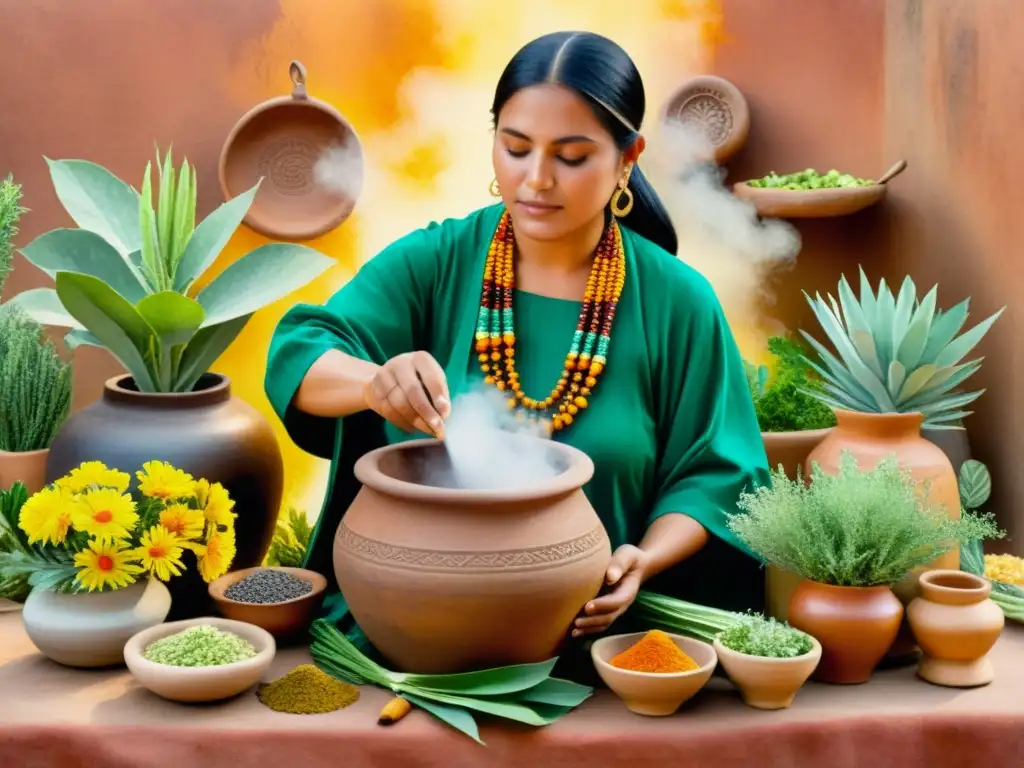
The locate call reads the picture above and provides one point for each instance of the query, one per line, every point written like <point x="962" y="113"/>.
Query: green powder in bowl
<point x="200" y="646"/>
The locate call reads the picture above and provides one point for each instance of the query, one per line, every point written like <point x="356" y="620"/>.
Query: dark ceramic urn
<point x="206" y="432"/>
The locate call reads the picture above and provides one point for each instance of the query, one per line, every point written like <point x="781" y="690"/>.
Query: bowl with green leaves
<point x="851" y="536"/>
<point x="768" y="660"/>
<point x="35" y="381"/>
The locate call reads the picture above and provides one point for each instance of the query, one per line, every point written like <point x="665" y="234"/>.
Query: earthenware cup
<point x="766" y="682"/>
<point x="286" y="619"/>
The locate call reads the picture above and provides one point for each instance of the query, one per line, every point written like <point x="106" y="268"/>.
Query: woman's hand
<point x="625" y="573"/>
<point x="411" y="391"/>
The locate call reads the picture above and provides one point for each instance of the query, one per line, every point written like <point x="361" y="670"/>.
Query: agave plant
<point x="896" y="354"/>
<point x="125" y="278"/>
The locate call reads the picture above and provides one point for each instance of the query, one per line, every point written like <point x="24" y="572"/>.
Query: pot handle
<point x="297" y="72"/>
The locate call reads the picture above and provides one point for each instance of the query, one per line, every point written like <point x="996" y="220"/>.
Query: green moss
<point x="782" y="401"/>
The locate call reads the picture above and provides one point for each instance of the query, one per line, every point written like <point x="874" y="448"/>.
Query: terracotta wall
<point x="854" y="84"/>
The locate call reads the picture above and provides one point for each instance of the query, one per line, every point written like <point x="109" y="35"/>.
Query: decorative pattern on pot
<point x="445" y="580"/>
<point x="90" y="629"/>
<point x="956" y="624"/>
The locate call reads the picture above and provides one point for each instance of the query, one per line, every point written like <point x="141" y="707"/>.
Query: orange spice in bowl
<point x="655" y="653"/>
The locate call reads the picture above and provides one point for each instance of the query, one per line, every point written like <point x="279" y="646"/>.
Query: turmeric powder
<point x="394" y="711"/>
<point x="655" y="652"/>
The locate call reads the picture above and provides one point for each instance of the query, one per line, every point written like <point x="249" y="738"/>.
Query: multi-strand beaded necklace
<point x="495" y="341"/>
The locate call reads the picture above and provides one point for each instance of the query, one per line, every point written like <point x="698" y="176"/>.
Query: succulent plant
<point x="896" y="354"/>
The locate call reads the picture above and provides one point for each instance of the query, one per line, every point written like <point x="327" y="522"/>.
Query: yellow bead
<point x="485" y="368"/>
<point x="488" y="379"/>
<point x="501" y="385"/>
<point x="584" y="390"/>
<point x="591" y="381"/>
<point x="596" y="368"/>
<point x="566" y="419"/>
<point x="571" y="409"/>
<point x="511" y="403"/>
<point x="580" y="402"/>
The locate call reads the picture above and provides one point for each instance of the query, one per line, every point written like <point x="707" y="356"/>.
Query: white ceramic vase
<point x="91" y="629"/>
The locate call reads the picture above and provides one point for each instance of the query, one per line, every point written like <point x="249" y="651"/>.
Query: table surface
<point x="51" y="715"/>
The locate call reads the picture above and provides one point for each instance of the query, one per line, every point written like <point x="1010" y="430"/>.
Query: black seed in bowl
<point x="264" y="587"/>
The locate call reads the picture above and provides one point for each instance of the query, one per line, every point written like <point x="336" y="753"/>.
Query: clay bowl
<point x="284" y="619"/>
<point x="199" y="684"/>
<point x="768" y="683"/>
<point x="282" y="141"/>
<point x="646" y="693"/>
<point x="815" y="203"/>
<point x="445" y="579"/>
<point x="715" y="110"/>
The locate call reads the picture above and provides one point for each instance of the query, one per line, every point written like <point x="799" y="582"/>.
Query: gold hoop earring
<point x="494" y="189"/>
<point x="620" y="211"/>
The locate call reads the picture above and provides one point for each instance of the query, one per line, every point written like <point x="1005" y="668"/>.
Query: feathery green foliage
<point x="10" y="214"/>
<point x="854" y="529"/>
<point x="782" y="402"/>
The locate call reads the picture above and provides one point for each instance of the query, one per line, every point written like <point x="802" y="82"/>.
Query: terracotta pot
<point x="90" y="629"/>
<point x="28" y="467"/>
<point x="445" y="580"/>
<point x="768" y="683"/>
<point x="956" y="624"/>
<point x="206" y="432"/>
<point x="870" y="437"/>
<point x="855" y="626"/>
<point x="790" y="449"/>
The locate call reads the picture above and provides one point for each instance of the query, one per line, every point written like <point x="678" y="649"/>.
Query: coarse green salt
<point x="200" y="646"/>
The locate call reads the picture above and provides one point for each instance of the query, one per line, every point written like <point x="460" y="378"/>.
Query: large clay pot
<point x="956" y="624"/>
<point x="447" y="580"/>
<point x="90" y="629"/>
<point x="855" y="626"/>
<point x="791" y="449"/>
<point x="206" y="432"/>
<point x="870" y="437"/>
<point x="28" y="467"/>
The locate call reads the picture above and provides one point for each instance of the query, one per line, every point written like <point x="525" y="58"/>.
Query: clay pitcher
<point x="956" y="624"/>
<point x="855" y="626"/>
<point x="870" y="437"/>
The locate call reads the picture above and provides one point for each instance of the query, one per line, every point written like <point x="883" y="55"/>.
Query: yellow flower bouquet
<point x="86" y="532"/>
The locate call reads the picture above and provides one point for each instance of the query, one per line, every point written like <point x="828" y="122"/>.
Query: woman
<point x="643" y="374"/>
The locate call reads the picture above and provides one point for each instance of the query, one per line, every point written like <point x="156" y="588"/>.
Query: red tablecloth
<point x="53" y="716"/>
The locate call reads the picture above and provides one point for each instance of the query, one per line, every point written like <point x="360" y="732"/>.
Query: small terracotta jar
<point x="856" y="626"/>
<point x="956" y="624"/>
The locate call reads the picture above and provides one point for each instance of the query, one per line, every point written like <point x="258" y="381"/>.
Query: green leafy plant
<point x="125" y="279"/>
<point x="757" y="635"/>
<point x="35" y="383"/>
<point x="782" y="401"/>
<point x="858" y="529"/>
<point x="525" y="693"/>
<point x="975" y="483"/>
<point x="291" y="540"/>
<point x="896" y="354"/>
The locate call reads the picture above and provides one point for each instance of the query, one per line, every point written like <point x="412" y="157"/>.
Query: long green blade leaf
<point x="486" y="682"/>
<point x="556" y="692"/>
<point x="203" y="350"/>
<point x="958" y="349"/>
<point x="455" y="717"/>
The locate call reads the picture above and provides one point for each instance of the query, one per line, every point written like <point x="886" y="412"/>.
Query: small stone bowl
<point x="283" y="620"/>
<point x="648" y="693"/>
<point x="199" y="684"/>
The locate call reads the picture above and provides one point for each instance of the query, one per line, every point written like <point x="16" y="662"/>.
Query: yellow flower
<point x="46" y="516"/>
<point x="216" y="504"/>
<point x="160" y="480"/>
<point x="91" y="474"/>
<point x="160" y="553"/>
<point x="106" y="563"/>
<point x="105" y="514"/>
<point x="1005" y="568"/>
<point x="182" y="521"/>
<point x="215" y="558"/>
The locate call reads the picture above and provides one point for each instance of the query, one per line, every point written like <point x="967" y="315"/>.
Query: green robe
<point x="671" y="426"/>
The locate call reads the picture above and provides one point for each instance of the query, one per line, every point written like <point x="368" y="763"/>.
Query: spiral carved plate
<point x="716" y="108"/>
<point x="288" y="163"/>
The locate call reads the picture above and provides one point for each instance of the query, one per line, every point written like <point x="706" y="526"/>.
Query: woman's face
<point x="556" y="164"/>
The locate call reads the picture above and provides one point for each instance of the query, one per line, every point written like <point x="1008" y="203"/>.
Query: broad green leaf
<point x="98" y="201"/>
<point x="948" y="417"/>
<point x="916" y="338"/>
<point x="260" y="278"/>
<point x="945" y="327"/>
<point x="176" y="319"/>
<point x="838" y="374"/>
<point x="858" y="327"/>
<point x="897" y="375"/>
<point x="949" y="403"/>
<point x="486" y="682"/>
<point x="867" y="296"/>
<point x="455" y="717"/>
<point x="975" y="484"/>
<point x="881" y="324"/>
<point x="85" y="252"/>
<point x="904" y="311"/>
<point x="915" y="383"/>
<point x="112" y="320"/>
<point x="942" y="381"/>
<point x="44" y="306"/>
<point x="499" y="707"/>
<point x="958" y="348"/>
<point x="210" y="237"/>
<point x="556" y="692"/>
<point x="204" y="349"/>
<point x="77" y="338"/>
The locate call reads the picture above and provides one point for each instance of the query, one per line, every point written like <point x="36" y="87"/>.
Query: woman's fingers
<point x="422" y="411"/>
<point x="434" y="381"/>
<point x="411" y="391"/>
<point x="389" y="401"/>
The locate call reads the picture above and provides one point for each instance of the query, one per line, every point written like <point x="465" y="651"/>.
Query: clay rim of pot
<point x="952" y="587"/>
<point x="218" y="587"/>
<point x="260" y="639"/>
<point x="577" y="474"/>
<point x="212" y="388"/>
<point x="25" y="454"/>
<point x="724" y="650"/>
<point x="879" y="424"/>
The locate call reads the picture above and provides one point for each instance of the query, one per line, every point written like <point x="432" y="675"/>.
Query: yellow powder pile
<point x="307" y="690"/>
<point x="655" y="652"/>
